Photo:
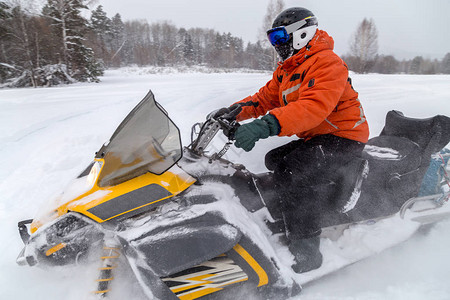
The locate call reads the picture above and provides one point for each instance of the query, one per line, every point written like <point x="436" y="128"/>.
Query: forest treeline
<point x="60" y="45"/>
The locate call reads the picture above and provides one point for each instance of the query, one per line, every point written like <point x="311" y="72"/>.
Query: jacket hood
<point x="321" y="41"/>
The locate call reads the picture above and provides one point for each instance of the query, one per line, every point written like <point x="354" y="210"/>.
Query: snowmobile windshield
<point x="146" y="141"/>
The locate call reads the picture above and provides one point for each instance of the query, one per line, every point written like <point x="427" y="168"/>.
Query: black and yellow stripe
<point x="214" y="275"/>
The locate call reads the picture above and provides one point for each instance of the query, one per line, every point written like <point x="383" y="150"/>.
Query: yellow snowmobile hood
<point x="105" y="203"/>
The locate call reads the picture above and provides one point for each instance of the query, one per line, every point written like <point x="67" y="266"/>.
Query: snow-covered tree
<point x="26" y="56"/>
<point x="187" y="47"/>
<point x="118" y="40"/>
<point x="102" y="31"/>
<point x="100" y="22"/>
<point x="197" y="36"/>
<point x="69" y="29"/>
<point x="20" y="46"/>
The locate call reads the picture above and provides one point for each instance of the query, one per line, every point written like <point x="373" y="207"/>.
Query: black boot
<point x="307" y="254"/>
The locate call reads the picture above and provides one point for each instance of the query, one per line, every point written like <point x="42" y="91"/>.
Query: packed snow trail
<point x="49" y="135"/>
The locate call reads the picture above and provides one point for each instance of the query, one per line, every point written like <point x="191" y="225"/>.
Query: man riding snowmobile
<point x="191" y="224"/>
<point x="311" y="96"/>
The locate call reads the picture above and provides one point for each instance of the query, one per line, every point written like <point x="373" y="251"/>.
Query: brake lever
<point x="228" y="128"/>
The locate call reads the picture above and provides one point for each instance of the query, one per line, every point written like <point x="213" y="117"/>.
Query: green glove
<point x="248" y="134"/>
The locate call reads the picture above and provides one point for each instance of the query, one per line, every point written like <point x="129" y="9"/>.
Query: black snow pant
<point x="303" y="171"/>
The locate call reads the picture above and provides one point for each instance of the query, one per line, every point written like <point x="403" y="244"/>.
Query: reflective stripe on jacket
<point x="311" y="94"/>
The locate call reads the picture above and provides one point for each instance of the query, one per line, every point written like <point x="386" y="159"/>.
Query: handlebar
<point x="208" y="131"/>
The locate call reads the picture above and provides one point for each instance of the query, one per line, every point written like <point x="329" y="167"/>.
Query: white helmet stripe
<point x="294" y="26"/>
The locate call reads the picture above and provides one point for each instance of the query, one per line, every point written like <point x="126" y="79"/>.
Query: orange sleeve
<point x="319" y="94"/>
<point x="261" y="102"/>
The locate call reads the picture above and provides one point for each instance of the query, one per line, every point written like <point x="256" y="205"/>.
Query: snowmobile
<point x="192" y="224"/>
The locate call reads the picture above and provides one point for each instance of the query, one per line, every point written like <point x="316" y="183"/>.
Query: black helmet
<point x="291" y="30"/>
<point x="292" y="15"/>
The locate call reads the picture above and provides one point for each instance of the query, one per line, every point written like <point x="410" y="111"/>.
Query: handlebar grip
<point x="229" y="128"/>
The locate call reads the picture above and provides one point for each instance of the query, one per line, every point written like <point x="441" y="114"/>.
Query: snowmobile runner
<point x="193" y="225"/>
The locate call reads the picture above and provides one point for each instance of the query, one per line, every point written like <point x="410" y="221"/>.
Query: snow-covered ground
<point x="48" y="136"/>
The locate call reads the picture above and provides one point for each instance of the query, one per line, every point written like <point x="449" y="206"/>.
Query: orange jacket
<point x="311" y="94"/>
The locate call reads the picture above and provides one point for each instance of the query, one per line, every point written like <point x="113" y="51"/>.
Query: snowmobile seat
<point x="404" y="148"/>
<point x="431" y="134"/>
<point x="391" y="153"/>
<point x="398" y="160"/>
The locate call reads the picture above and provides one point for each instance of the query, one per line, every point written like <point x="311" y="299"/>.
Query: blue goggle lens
<point x="277" y="36"/>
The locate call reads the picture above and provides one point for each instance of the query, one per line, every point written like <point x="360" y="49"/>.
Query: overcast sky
<point x="406" y="28"/>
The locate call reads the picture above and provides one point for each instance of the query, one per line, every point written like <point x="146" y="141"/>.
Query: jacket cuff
<point x="248" y="109"/>
<point x="272" y="122"/>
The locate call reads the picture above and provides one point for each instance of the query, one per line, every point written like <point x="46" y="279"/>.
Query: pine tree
<point x="197" y="36"/>
<point x="237" y="52"/>
<point x="102" y="29"/>
<point x="215" y="51"/>
<point x="117" y="40"/>
<point x="69" y="29"/>
<point x="117" y="26"/>
<point x="187" y="47"/>
<point x="100" y="22"/>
